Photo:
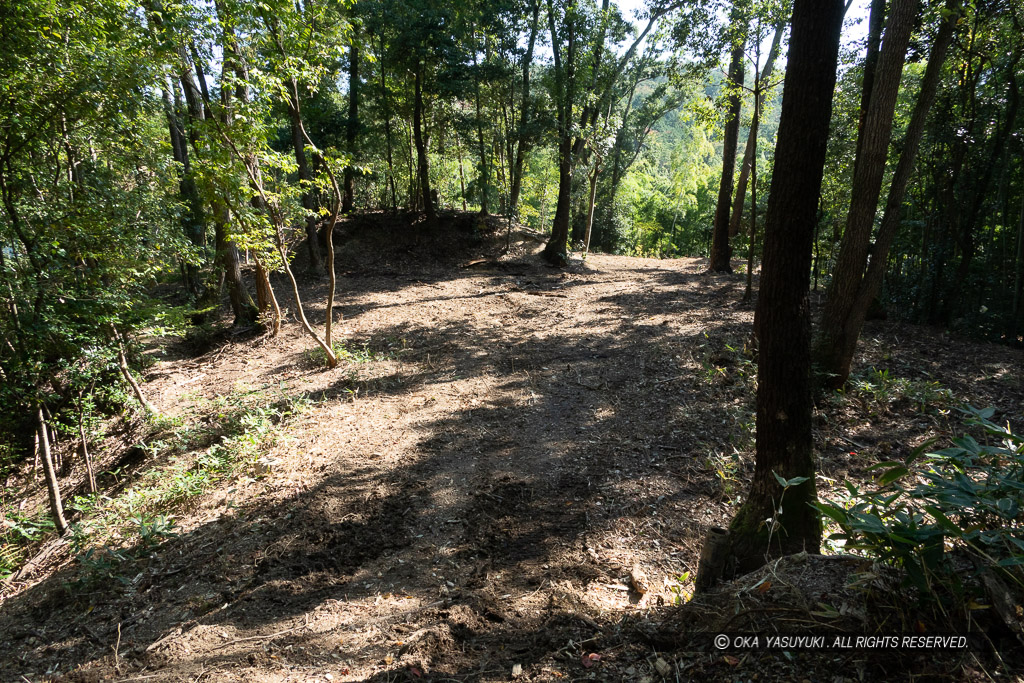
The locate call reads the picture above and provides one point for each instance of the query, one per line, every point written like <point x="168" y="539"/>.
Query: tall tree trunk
<point x="462" y="173"/>
<point x="421" y="146"/>
<point x="556" y="250"/>
<point x="590" y="207"/>
<point x="721" y="252"/>
<point x="387" y="126"/>
<point x="522" y="136"/>
<point x="966" y="238"/>
<point x="226" y="250"/>
<point x="193" y="220"/>
<point x="867" y="185"/>
<point x="784" y="438"/>
<point x="90" y="472"/>
<point x="126" y="373"/>
<point x="748" y="152"/>
<point x="52" y="485"/>
<point x="876" y="21"/>
<point x="748" y="293"/>
<point x="485" y="166"/>
<point x="351" y="127"/>
<point x="865" y="289"/>
<point x="309" y="203"/>
<point x="1018" y="281"/>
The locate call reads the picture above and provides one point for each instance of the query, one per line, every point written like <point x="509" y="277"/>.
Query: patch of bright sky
<point x="855" y="26"/>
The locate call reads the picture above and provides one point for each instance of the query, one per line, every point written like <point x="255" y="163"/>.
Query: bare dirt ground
<point x="475" y="494"/>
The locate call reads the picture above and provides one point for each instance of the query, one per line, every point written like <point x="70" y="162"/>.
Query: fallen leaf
<point x="415" y="672"/>
<point x="662" y="667"/>
<point x="730" y="660"/>
<point x="763" y="588"/>
<point x="638" y="579"/>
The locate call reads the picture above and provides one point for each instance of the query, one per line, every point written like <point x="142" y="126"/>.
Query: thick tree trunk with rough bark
<point x="242" y="307"/>
<point x="784" y="438"/>
<point x="855" y="245"/>
<point x="868" y="286"/>
<point x="876" y="20"/>
<point x="555" y="251"/>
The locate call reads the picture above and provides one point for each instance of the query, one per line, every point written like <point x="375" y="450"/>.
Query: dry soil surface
<point x="509" y="473"/>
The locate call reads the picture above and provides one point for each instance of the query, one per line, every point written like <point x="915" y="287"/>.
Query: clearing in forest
<point x="512" y="469"/>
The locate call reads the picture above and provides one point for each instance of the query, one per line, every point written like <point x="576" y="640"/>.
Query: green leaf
<point x="1008" y="507"/>
<point x="833" y="512"/>
<point x="786" y="483"/>
<point x="892" y="475"/>
<point x="944" y="521"/>
<point x="1015" y="561"/>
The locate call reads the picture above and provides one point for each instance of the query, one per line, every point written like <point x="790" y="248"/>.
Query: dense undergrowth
<point x="182" y="458"/>
<point x="950" y="520"/>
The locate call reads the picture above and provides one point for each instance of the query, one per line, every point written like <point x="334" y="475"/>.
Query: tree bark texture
<point x="242" y="307"/>
<point x="556" y="250"/>
<point x="876" y="21"/>
<point x="866" y="288"/>
<point x="855" y="245"/>
<point x="784" y="438"/>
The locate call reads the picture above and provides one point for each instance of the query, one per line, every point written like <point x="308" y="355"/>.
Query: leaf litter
<point x="513" y="472"/>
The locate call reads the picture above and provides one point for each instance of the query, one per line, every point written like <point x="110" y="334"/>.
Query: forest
<point x="380" y="340"/>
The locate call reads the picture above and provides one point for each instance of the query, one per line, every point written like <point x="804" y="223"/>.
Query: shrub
<point x="964" y="501"/>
